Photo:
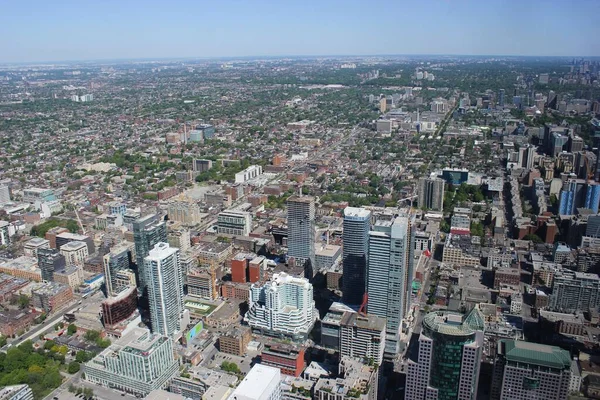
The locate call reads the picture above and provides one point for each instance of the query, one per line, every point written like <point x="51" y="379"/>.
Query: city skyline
<point x="270" y="29"/>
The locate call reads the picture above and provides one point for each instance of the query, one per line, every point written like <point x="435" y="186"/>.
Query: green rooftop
<point x="535" y="354"/>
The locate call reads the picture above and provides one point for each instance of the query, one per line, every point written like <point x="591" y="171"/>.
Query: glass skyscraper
<point x="357" y="222"/>
<point x="389" y="273"/>
<point x="147" y="232"/>
<point x="301" y="232"/>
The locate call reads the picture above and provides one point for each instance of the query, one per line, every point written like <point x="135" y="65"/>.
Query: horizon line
<point x="284" y="56"/>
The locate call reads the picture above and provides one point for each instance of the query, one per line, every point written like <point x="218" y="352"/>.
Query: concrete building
<point x="327" y="255"/>
<point x="165" y="289"/>
<point x="282" y="307"/>
<point x="147" y="232"/>
<point x="389" y="275"/>
<point x="200" y="165"/>
<point x="356" y="381"/>
<point x="138" y="363"/>
<point x="362" y="336"/>
<point x="233" y="222"/>
<point x="235" y="341"/>
<point x="71" y="275"/>
<point x="74" y="252"/>
<point x="431" y="194"/>
<point x="4" y="233"/>
<point x="524" y="370"/>
<point x="31" y="247"/>
<point x="575" y="291"/>
<point x="179" y="238"/>
<point x="446" y="363"/>
<point x="33" y="195"/>
<point x="301" y="232"/>
<point x="357" y="223"/>
<point x="116" y="208"/>
<point x="185" y="211"/>
<point x="253" y="171"/>
<point x="261" y="383"/>
<point x="4" y="194"/>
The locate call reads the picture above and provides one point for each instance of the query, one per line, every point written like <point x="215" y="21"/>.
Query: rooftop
<point x="256" y="381"/>
<point x="535" y="353"/>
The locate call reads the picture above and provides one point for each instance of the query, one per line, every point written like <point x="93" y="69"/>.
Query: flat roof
<point x="256" y="382"/>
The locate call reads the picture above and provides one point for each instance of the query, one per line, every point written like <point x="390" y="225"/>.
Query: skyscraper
<point x="147" y="232"/>
<point x="301" y="231"/>
<point x="389" y="272"/>
<point x="165" y="288"/>
<point x="524" y="370"/>
<point x="569" y="197"/>
<point x="445" y="366"/>
<point x="501" y="97"/>
<point x="357" y="222"/>
<point x="431" y="194"/>
<point x="592" y="197"/>
<point x="49" y="261"/>
<point x="527" y="156"/>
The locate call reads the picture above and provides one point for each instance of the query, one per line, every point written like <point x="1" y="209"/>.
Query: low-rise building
<point x="235" y="341"/>
<point x="288" y="358"/>
<point x="356" y="381"/>
<point x="51" y="296"/>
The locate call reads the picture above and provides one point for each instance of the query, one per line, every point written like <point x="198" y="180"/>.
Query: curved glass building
<point x="446" y="365"/>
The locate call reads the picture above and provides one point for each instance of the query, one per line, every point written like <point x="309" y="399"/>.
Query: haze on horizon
<point x="61" y="30"/>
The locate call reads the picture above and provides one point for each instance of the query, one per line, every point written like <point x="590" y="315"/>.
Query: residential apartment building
<point x="283" y="306"/>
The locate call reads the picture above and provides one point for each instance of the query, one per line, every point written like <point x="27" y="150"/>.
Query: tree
<point x="230" y="367"/>
<point x="2" y="340"/>
<point x="92" y="335"/>
<point x="23" y="301"/>
<point x="74" y="367"/>
<point x="83" y="356"/>
<point x="88" y="393"/>
<point x="71" y="329"/>
<point x="49" y="345"/>
<point x="533" y="237"/>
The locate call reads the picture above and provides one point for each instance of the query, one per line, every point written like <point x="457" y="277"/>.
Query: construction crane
<point x="80" y="223"/>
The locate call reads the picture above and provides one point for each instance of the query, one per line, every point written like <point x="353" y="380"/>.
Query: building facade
<point x="301" y="231"/>
<point x="431" y="194"/>
<point x="446" y="364"/>
<point x="165" y="289"/>
<point x="282" y="307"/>
<point x="233" y="222"/>
<point x="388" y="277"/>
<point x="524" y="370"/>
<point x="138" y="363"/>
<point x="357" y="223"/>
<point x="575" y="291"/>
<point x="147" y="232"/>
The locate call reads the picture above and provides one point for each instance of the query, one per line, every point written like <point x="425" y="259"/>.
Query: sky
<point x="58" y="30"/>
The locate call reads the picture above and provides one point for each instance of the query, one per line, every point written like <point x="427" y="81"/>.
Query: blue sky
<point x="51" y="30"/>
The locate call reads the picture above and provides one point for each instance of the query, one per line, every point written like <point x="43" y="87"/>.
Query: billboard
<point x="192" y="333"/>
